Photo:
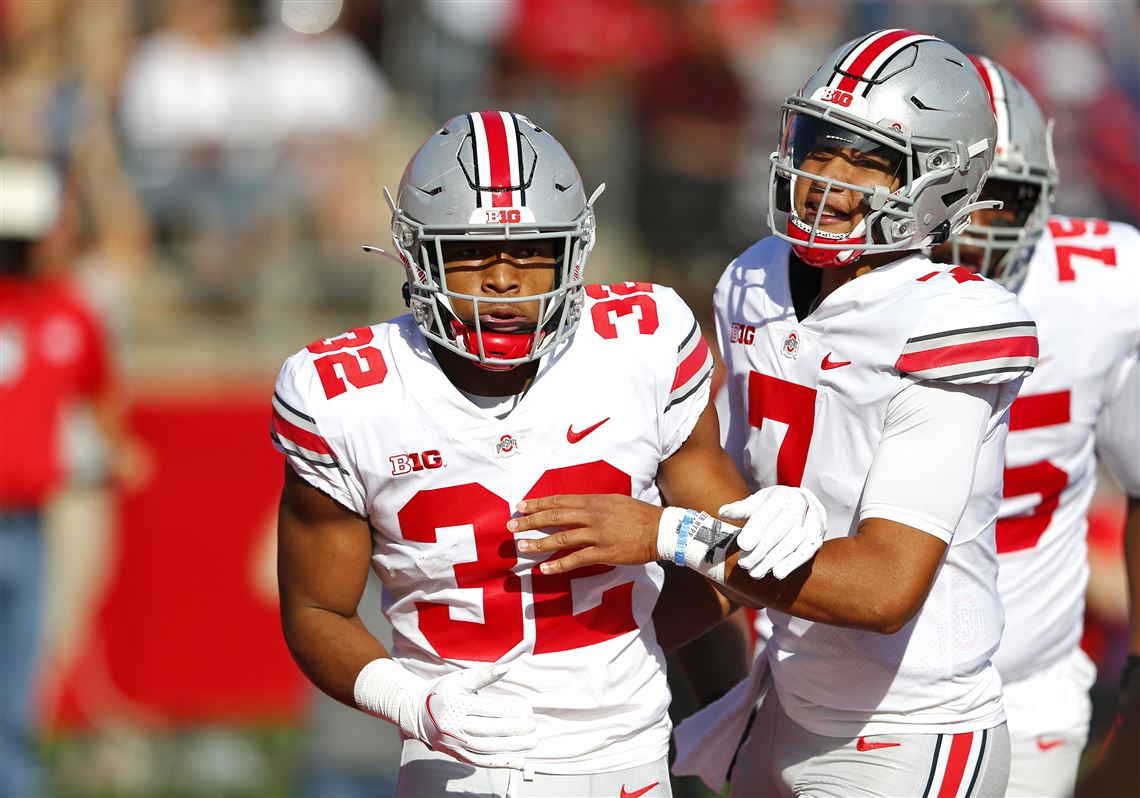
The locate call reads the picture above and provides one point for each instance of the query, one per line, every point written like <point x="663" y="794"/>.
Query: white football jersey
<point x="370" y="419"/>
<point x="808" y="401"/>
<point x="1083" y="289"/>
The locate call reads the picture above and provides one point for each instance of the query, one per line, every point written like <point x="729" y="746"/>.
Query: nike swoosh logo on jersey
<point x="828" y="363"/>
<point x="574" y="437"/>
<point x="1049" y="745"/>
<point x="642" y="791"/>
<point x="863" y="745"/>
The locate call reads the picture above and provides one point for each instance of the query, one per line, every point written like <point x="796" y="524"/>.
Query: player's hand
<point x="610" y="529"/>
<point x="485" y="731"/>
<point x="784" y="529"/>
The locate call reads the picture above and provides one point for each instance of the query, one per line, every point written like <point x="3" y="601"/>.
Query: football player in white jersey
<point x="408" y="442"/>
<point x="1080" y="280"/>
<point x="878" y="383"/>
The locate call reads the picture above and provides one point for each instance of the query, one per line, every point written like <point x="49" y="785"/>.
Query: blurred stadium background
<point x="225" y="159"/>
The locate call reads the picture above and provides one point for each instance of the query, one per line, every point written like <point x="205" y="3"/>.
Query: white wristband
<point x="390" y="691"/>
<point x="695" y="540"/>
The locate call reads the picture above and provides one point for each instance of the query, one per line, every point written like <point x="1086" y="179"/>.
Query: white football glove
<point x="449" y="714"/>
<point x="784" y="529"/>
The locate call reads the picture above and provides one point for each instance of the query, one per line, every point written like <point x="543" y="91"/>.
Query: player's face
<point x="844" y="209"/>
<point x="499" y="270"/>
<point x="1018" y="201"/>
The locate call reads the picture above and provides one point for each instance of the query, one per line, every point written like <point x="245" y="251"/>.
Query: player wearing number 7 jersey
<point x="410" y="441"/>
<point x="881" y="383"/>
<point x="1080" y="279"/>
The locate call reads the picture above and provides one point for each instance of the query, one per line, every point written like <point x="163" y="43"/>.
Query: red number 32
<point x="557" y="626"/>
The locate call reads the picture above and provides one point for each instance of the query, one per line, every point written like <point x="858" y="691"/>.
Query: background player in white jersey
<point x="1080" y="280"/>
<point x="863" y="373"/>
<point x="409" y="441"/>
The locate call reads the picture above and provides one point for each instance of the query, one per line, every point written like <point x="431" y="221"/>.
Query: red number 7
<point x="792" y="404"/>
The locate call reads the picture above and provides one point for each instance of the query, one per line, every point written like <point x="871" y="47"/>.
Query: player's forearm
<point x="851" y="582"/>
<point x="329" y="648"/>
<point x="1132" y="560"/>
<point x="689" y="606"/>
<point x="713" y="663"/>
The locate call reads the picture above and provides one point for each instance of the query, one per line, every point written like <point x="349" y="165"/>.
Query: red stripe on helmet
<point x="871" y="51"/>
<point x="498" y="157"/>
<point x="983" y="70"/>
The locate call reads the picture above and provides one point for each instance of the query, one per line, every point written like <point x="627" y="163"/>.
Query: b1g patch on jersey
<point x="743" y="334"/>
<point x="415" y="461"/>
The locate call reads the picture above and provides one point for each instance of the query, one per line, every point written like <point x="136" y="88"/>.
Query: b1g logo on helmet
<point x="837" y="96"/>
<point x="503" y="216"/>
<point x="415" y="461"/>
<point x="507" y="446"/>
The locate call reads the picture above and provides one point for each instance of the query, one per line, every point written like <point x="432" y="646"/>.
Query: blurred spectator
<point x="691" y="113"/>
<point x="321" y="102"/>
<point x="773" y="47"/>
<point x="189" y="115"/>
<point x="61" y="65"/>
<point x="52" y="353"/>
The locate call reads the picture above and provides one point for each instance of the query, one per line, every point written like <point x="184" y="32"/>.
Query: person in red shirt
<point x="53" y="354"/>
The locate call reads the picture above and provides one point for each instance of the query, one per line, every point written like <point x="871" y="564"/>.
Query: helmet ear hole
<point x="953" y="197"/>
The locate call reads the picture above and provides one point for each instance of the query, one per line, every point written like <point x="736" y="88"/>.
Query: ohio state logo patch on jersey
<point x="415" y="461"/>
<point x="791" y="346"/>
<point x="506" y="446"/>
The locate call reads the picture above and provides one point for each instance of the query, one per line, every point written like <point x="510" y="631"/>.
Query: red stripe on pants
<point x="956" y="765"/>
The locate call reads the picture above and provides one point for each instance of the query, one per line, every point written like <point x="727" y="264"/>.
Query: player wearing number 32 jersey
<point x="410" y="442"/>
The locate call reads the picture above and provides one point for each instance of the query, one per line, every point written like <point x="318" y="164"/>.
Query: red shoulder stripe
<point x="302" y="438"/>
<point x="692" y="363"/>
<point x="975" y="351"/>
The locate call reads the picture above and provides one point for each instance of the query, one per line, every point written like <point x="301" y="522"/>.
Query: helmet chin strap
<point x="496" y="346"/>
<point x="825" y="258"/>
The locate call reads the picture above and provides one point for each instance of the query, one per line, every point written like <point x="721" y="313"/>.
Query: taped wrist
<point x="695" y="540"/>
<point x="387" y="689"/>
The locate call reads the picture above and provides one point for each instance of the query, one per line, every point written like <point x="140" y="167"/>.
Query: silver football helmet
<point x="492" y="175"/>
<point x="917" y="104"/>
<point x="1024" y="177"/>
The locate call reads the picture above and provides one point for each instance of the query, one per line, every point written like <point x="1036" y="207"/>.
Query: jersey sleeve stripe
<point x="300" y="437"/>
<point x="691" y="387"/>
<point x="292" y="415"/>
<point x="1021" y="348"/>
<point x="970" y="334"/>
<point x="305" y="456"/>
<point x="692" y="363"/>
<point x="1015" y="367"/>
